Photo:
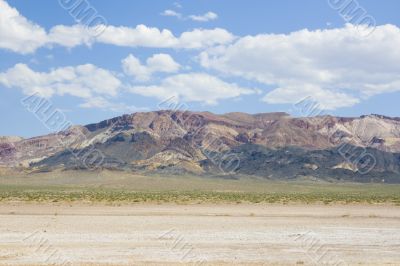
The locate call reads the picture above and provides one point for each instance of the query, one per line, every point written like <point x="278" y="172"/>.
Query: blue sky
<point x="220" y="56"/>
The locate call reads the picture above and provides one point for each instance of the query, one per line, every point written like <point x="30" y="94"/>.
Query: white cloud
<point x="83" y="81"/>
<point x="326" y="99"/>
<point x="201" y="38"/>
<point x="200" y="18"/>
<point x="70" y="36"/>
<point x="141" y="35"/>
<point x="332" y="64"/>
<point x="152" y="37"/>
<point x="205" y="17"/>
<point x="102" y="103"/>
<point x="193" y="87"/>
<point x="171" y="13"/>
<point x="156" y="63"/>
<point x="17" y="33"/>
<point x="96" y="86"/>
<point x="22" y="36"/>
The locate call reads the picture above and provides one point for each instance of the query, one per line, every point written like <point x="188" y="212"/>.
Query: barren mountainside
<point x="270" y="145"/>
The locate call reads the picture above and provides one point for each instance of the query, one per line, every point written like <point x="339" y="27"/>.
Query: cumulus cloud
<point x="338" y="66"/>
<point x="22" y="36"/>
<point x="193" y="87"/>
<point x="205" y="17"/>
<point x="97" y="87"/>
<point x="152" y="37"/>
<point x="83" y="81"/>
<point x="201" y="38"/>
<point x="17" y="33"/>
<point x="69" y="36"/>
<point x="156" y="63"/>
<point x="141" y="35"/>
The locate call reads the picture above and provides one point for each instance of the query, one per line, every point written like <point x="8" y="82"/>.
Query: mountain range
<point x="267" y="145"/>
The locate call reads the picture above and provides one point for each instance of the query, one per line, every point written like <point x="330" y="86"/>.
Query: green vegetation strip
<point x="377" y="195"/>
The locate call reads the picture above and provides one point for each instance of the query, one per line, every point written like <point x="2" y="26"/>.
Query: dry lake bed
<point x="221" y="234"/>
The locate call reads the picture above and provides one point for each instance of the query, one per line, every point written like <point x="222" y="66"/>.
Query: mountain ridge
<point x="202" y="142"/>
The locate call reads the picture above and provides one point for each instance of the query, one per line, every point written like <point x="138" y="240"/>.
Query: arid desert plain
<point x="111" y="218"/>
<point x="222" y="234"/>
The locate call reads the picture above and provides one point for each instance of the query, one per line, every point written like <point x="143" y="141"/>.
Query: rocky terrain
<point x="270" y="145"/>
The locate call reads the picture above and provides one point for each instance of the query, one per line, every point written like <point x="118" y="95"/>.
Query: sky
<point x="94" y="60"/>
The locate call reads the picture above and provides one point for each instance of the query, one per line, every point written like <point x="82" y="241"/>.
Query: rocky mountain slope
<point x="270" y="145"/>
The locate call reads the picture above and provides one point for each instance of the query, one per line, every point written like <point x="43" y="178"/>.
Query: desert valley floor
<point x="206" y="234"/>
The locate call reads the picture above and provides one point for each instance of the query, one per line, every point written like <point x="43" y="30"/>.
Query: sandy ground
<point x="46" y="234"/>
